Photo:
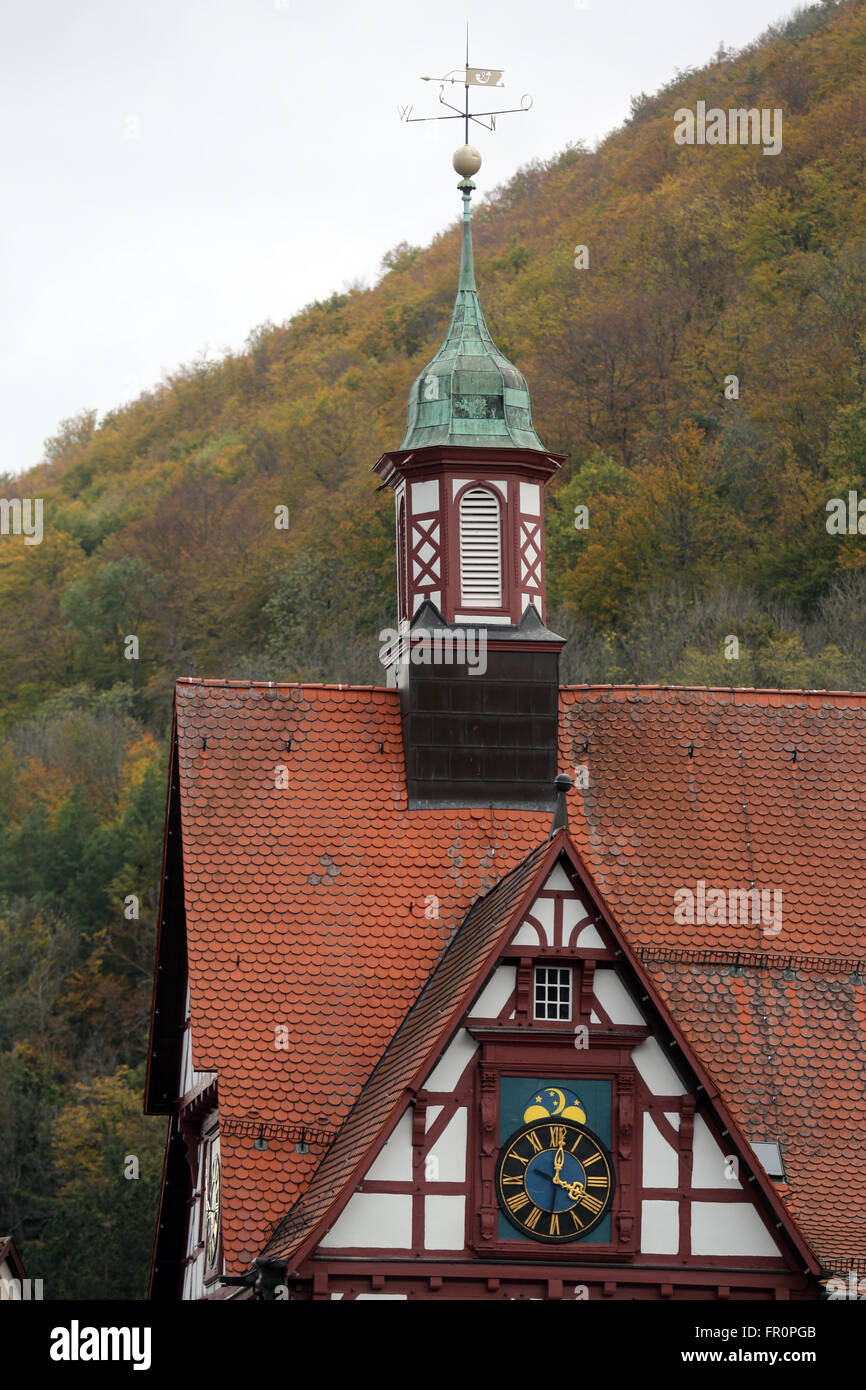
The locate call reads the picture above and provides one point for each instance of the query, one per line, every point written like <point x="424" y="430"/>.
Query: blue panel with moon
<point x="523" y="1100"/>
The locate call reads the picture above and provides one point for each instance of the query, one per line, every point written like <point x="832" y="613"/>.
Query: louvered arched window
<point x="480" y="549"/>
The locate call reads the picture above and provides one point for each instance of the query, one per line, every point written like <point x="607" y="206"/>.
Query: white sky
<point x="175" y="172"/>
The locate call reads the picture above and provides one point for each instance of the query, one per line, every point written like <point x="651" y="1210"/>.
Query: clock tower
<point x="477" y="667"/>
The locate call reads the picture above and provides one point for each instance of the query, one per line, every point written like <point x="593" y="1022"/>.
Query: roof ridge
<point x="222" y="684"/>
<point x="755" y="690"/>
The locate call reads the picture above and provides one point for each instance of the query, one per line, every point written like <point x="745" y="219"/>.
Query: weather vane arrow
<point x="468" y="77"/>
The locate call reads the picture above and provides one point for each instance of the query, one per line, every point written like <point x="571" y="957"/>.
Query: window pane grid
<point x="552" y="992"/>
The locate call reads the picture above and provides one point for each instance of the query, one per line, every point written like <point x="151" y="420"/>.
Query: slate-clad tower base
<point x="480" y="738"/>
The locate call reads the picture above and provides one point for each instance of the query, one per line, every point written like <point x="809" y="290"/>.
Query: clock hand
<point x="574" y="1189"/>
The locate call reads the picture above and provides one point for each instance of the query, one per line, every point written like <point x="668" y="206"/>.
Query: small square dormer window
<point x="552" y="992"/>
<point x="769" y="1155"/>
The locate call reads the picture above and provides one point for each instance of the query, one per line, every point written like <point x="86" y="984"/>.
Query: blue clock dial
<point x="554" y="1180"/>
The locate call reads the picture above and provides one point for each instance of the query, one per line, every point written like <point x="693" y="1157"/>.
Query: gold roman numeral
<point x="557" y="1135"/>
<point x="519" y="1157"/>
<point x="516" y="1181"/>
<point x="591" y="1203"/>
<point x="532" y="1219"/>
<point x="578" y="1224"/>
<point x="554" y="1224"/>
<point x="517" y="1202"/>
<point x="593" y="1158"/>
<point x="535" y="1141"/>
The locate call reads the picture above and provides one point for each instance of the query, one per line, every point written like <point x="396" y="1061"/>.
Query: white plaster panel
<point x="425" y="496"/>
<point x="530" y="499"/>
<point x="655" y="1068"/>
<point x="435" y="596"/>
<point x="558" y="881"/>
<point x="394" y="1162"/>
<point x="433" y="1113"/>
<point x="444" y="1223"/>
<point x="544" y="909"/>
<point x="615" y="999"/>
<point x="379" y="1219"/>
<point x="589" y="938"/>
<point x="594" y="1018"/>
<point x="525" y="600"/>
<point x="452" y="1063"/>
<point x="660" y="1161"/>
<point x="660" y="1228"/>
<point x="527" y="935"/>
<point x="495" y="993"/>
<point x="672" y="1118"/>
<point x="483" y="619"/>
<point x="708" y="1160"/>
<point x="729" y="1228"/>
<point x="573" y="911"/>
<point x="450" y="1150"/>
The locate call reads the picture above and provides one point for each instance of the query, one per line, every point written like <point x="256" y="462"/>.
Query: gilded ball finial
<point x="467" y="161"/>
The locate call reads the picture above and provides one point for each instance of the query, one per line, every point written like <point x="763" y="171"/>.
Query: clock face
<point x="554" y="1180"/>
<point x="213" y="1209"/>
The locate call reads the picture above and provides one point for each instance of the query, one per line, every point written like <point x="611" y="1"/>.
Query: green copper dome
<point x="470" y="394"/>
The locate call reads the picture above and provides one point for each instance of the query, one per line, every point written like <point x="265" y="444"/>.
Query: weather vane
<point x="470" y="77"/>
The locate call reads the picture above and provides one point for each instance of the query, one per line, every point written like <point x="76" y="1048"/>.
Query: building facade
<point x="432" y="1022"/>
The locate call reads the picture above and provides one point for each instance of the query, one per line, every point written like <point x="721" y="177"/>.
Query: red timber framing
<point x="432" y="528"/>
<point x="514" y="1044"/>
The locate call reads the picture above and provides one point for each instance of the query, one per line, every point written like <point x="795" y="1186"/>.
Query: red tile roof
<point x="312" y="906"/>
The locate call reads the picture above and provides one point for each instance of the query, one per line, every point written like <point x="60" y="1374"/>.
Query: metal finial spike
<point x="563" y="785"/>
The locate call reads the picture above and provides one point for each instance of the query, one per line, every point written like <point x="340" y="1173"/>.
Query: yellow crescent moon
<point x="560" y="1097"/>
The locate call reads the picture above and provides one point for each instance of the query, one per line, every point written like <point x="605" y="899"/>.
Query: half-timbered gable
<point x="414" y="1192"/>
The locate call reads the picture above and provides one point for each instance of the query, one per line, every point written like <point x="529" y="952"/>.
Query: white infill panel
<point x="527" y="935"/>
<point x="444" y="1223"/>
<point x="480" y="549"/>
<point x="394" y="1162"/>
<point x="446" y="1161"/>
<point x="452" y="1063"/>
<point x="558" y="881"/>
<point x="660" y="1228"/>
<point x="729" y="1228"/>
<point x="530" y="499"/>
<point x="382" y="1220"/>
<point x="494" y="996"/>
<point x="544" y="911"/>
<point x="655" y="1068"/>
<point x="425" y="497"/>
<point x="615" y="999"/>
<point x="660" y="1161"/>
<point x="710" y="1166"/>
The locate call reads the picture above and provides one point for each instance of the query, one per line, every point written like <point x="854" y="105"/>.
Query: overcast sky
<point x="176" y="172"/>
